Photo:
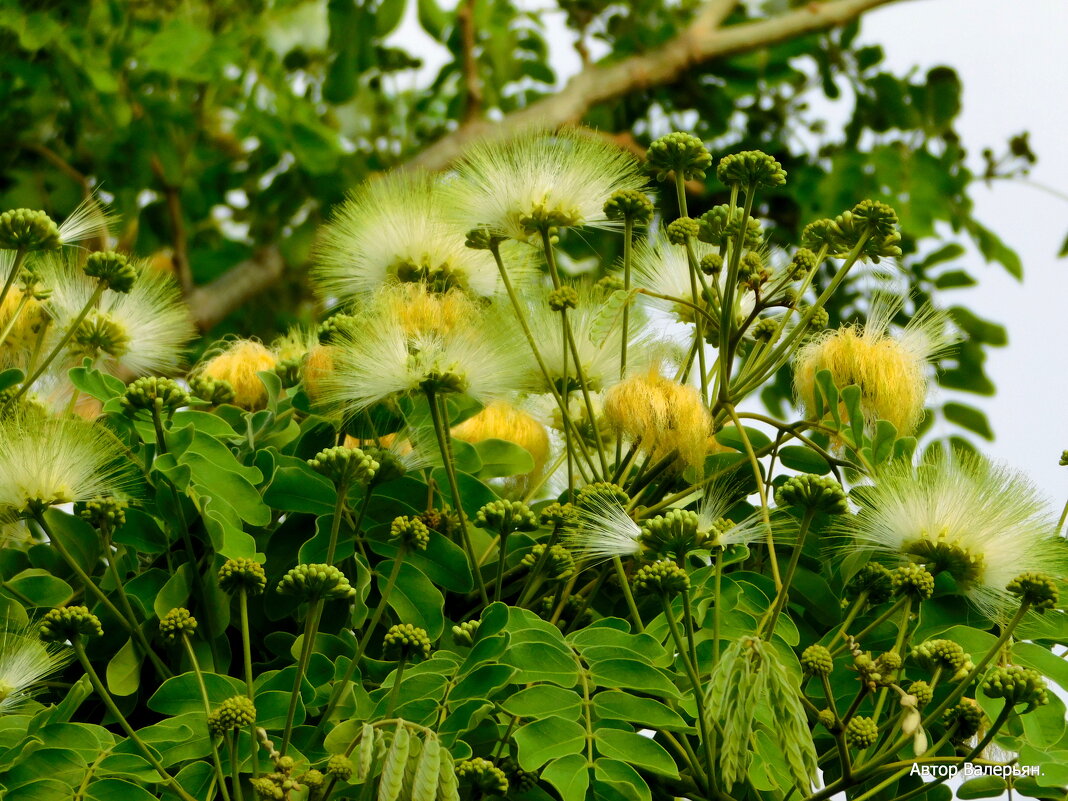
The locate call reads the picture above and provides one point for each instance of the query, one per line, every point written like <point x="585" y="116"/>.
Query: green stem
<point x="14" y="318"/>
<point x="394" y="693"/>
<point x="246" y="651"/>
<point x="621" y="574"/>
<point x="502" y="555"/>
<point x="16" y="266"/>
<point x="311" y="623"/>
<point x="235" y="768"/>
<point x="584" y="388"/>
<point x="161" y="669"/>
<point x="791" y="568"/>
<point x="146" y="752"/>
<point x="219" y="776"/>
<point x="716" y="602"/>
<point x="441" y="429"/>
<point x="886" y="615"/>
<point x="335" y="523"/>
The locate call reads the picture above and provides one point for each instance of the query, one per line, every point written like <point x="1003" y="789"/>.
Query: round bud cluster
<point x="311" y="778"/>
<point x="750" y="169"/>
<point x="519" y="780"/>
<point x="819" y="234"/>
<point x="505" y="517"/>
<point x="339" y="767"/>
<point x="1064" y="459"/>
<point x="680" y="153"/>
<point x="411" y="531"/>
<point x="817" y="660"/>
<point x="28" y="229"/>
<point x="922" y="691"/>
<point x="242" y="573"/>
<point x="764" y="329"/>
<point x="861" y="732"/>
<point x="269" y="787"/>
<point x="601" y="492"/>
<point x="819" y="319"/>
<point x="629" y="204"/>
<point x="154" y="393"/>
<point x="563" y="298"/>
<point x="559" y="564"/>
<point x="1017" y="685"/>
<point x="968" y="717"/>
<point x="441" y="521"/>
<point x="718" y="225"/>
<point x="828" y="720"/>
<point x="336" y="327"/>
<point x="682" y="229"/>
<point x="111" y="269"/>
<point x="817" y="493"/>
<point x="1035" y="589"/>
<point x="711" y="264"/>
<point x="103" y="514"/>
<point x="663" y="577"/>
<point x="912" y="579"/>
<point x="390" y="466"/>
<point x="405" y="641"/>
<point x="575" y="614"/>
<point x="176" y="624"/>
<point x="465" y="632"/>
<point x="944" y="654"/>
<point x="802" y="263"/>
<point x="557" y="515"/>
<point x="880" y="218"/>
<point x="872" y="222"/>
<point x="868" y="669"/>
<point x="345" y="467"/>
<point x="610" y="283"/>
<point x="69" y="623"/>
<point x="482" y="776"/>
<point x="315" y="582"/>
<point x="233" y="713"/>
<point x="889" y="663"/>
<point x="873" y="579"/>
<point x="215" y="391"/>
<point x="482" y="238"/>
<point x="673" y="533"/>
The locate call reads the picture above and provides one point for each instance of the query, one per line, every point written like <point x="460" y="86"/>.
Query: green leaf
<point x="295" y="487"/>
<point x="388" y="16"/>
<point x="180" y="695"/>
<point x="40" y="587"/>
<point x="414" y="598"/>
<point x="111" y="789"/>
<point x="175" y="592"/>
<point x="634" y="749"/>
<point x="804" y="460"/>
<point x="623" y="778"/>
<point x="968" y="417"/>
<point x="982" y="787"/>
<point x="10" y="377"/>
<point x="569" y="776"/>
<point x="730" y="437"/>
<point x="546" y="739"/>
<point x="993" y="249"/>
<point x="630" y="674"/>
<point x="543" y="700"/>
<point x="979" y="329"/>
<point x="124" y="670"/>
<point x="882" y="443"/>
<point x="499" y="457"/>
<point x="99" y="385"/>
<point x="643" y="712"/>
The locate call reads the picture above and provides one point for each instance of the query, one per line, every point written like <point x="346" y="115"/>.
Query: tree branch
<point x="702" y="41"/>
<point x="173" y="197"/>
<point x="211" y="302"/>
<point x="465" y="18"/>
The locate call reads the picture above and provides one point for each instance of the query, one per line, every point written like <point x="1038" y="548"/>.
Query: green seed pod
<point x="448" y="784"/>
<point x="629" y="204"/>
<point x="176" y="624"/>
<point x="405" y="641"/>
<point x="1017" y="685"/>
<point x="663" y="578"/>
<point x="391" y="781"/>
<point x="913" y="580"/>
<point x="366" y="754"/>
<point x="817" y="660"/>
<point x="504" y="517"/>
<point x="103" y="514"/>
<point x="215" y="391"/>
<point x="680" y="153"/>
<point x="563" y="298"/>
<point x="111" y="269"/>
<point x="791" y="732"/>
<point x="152" y="392"/>
<point x="315" y="582"/>
<point x="233" y="713"/>
<point x="242" y="573"/>
<point x="861" y="732"/>
<point x="1037" y="589"/>
<point x="818" y="493"/>
<point x="29" y="230"/>
<point x="750" y="169"/>
<point x="425" y="782"/>
<point x="559" y="564"/>
<point x="345" y="467"/>
<point x="682" y="229"/>
<point x="411" y="531"/>
<point x="69" y="623"/>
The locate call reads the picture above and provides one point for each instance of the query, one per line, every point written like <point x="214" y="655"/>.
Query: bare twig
<point x="172" y="194"/>
<point x="212" y="302"/>
<point x="465" y="18"/>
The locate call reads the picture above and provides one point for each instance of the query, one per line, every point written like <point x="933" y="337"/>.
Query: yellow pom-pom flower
<point x="502" y="420"/>
<point x="238" y="365"/>
<point x="890" y="369"/>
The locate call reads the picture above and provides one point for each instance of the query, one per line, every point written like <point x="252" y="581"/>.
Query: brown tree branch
<point x="702" y="41"/>
<point x="172" y="194"/>
<point x="465" y="18"/>
<point x="211" y="302"/>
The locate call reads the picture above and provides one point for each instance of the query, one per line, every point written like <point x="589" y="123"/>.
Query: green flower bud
<point x="629" y="204"/>
<point x="601" y="492"/>
<point x="968" y="717"/>
<point x="100" y="333"/>
<point x="411" y="531"/>
<point x="610" y="283"/>
<point x="288" y="371"/>
<point x="215" y="391"/>
<point x="922" y="691"/>
<point x="802" y="263"/>
<point x="465" y="632"/>
<point x="315" y="582"/>
<point x="874" y="579"/>
<point x="519" y="780"/>
<point x="405" y="641"/>
<point x="819" y="234"/>
<point x="711" y="263"/>
<point x="868" y="669"/>
<point x="563" y="298"/>
<point x="828" y="720"/>
<point x="337" y="327"/>
<point x="176" y="624"/>
<point x="715" y="228"/>
<point x="819" y="319"/>
<point x="28" y="229"/>
<point x="312" y="778"/>
<point x="763" y="330"/>
<point x="69" y="623"/>
<point x="504" y="517"/>
<point x="877" y="222"/>
<point x="233" y="713"/>
<point x="103" y="514"/>
<point x="559" y="564"/>
<point x="680" y="153"/>
<point x="242" y="573"/>
<point x="345" y="467"/>
<point x="1039" y="590"/>
<point x="111" y="269"/>
<point x="682" y="229"/>
<point x="818" y="493"/>
<point x="481" y="776"/>
<point x="817" y="660"/>
<point x="663" y="578"/>
<point x="879" y="217"/>
<point x="861" y="732"/>
<point x="575" y="614"/>
<point x="339" y="766"/>
<point x="1017" y="685"/>
<point x="888" y="664"/>
<point x="390" y="467"/>
<point x="482" y="238"/>
<point x="750" y="169"/>
<point x="266" y="788"/>
<point x="914" y="580"/>
<point x="557" y="515"/>
<point x="1064" y="459"/>
<point x="942" y="654"/>
<point x="152" y="392"/>
<point x="671" y="534"/>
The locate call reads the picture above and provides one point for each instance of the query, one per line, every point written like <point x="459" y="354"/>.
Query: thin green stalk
<point x="621" y="574"/>
<point x="90" y="304"/>
<point x="851" y="615"/>
<point x="886" y="615"/>
<point x="310" y="625"/>
<point x="146" y="752"/>
<point x="1063" y="517"/>
<point x="235" y="768"/>
<point x="161" y="669"/>
<point x="14" y="318"/>
<point x="698" y="334"/>
<point x="726" y="312"/>
<point x="16" y="267"/>
<point x="394" y="693"/>
<point x="791" y="568"/>
<point x="335" y="523"/>
<point x="502" y="555"/>
<point x="441" y="429"/>
<point x="531" y="584"/>
<point x="246" y="652"/>
<point x="716" y="603"/>
<point x="585" y="390"/>
<point x="157" y="425"/>
<point x="219" y="776"/>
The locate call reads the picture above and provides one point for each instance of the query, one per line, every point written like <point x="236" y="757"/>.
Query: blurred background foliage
<point x="223" y="131"/>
